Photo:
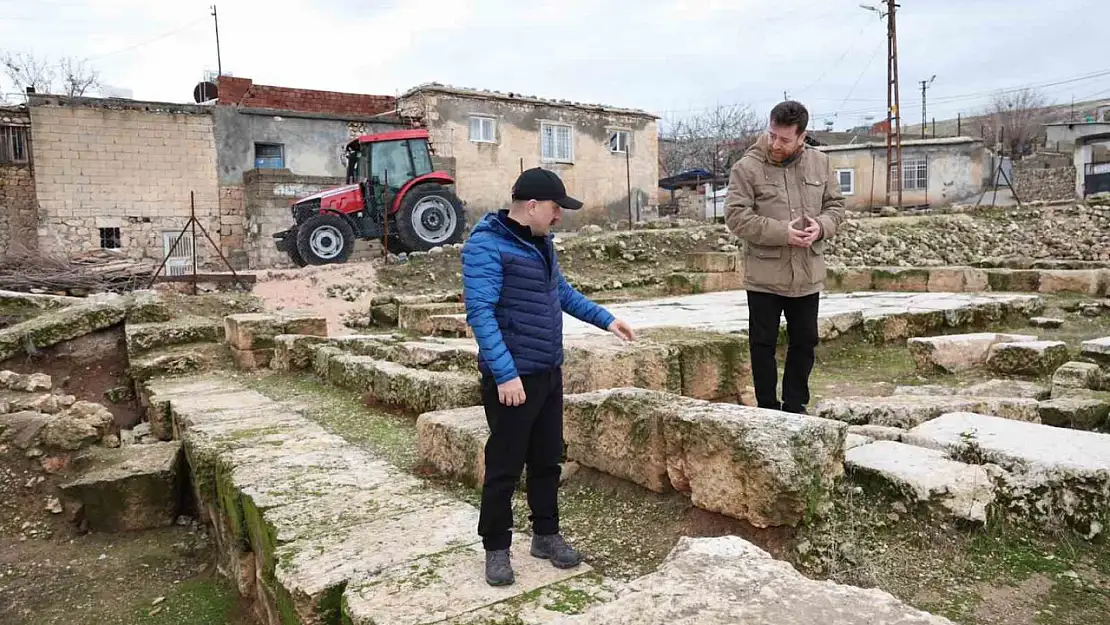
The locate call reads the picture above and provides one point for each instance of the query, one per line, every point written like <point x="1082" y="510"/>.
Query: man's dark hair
<point x="790" y="113"/>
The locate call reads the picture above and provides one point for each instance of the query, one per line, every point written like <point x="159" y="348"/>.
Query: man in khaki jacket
<point x="785" y="202"/>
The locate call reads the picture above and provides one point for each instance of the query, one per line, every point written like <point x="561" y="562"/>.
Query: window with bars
<point x="618" y="141"/>
<point x="483" y="129"/>
<point x="846" y="179"/>
<point x="13" y="144"/>
<point x="556" y="143"/>
<point x="269" y="156"/>
<point x="915" y="175"/>
<point x="110" y="239"/>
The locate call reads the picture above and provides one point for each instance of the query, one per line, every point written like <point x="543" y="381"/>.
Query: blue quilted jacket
<point x="515" y="300"/>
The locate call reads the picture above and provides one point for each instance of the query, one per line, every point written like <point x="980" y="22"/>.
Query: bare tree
<point x="712" y="140"/>
<point x="1016" y="118"/>
<point x="68" y="76"/>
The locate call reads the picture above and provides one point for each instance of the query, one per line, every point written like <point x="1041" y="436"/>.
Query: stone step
<point x="727" y="580"/>
<point x="177" y="360"/>
<point x="447" y="586"/>
<point x="1056" y="476"/>
<point x="417" y="317"/>
<point x="1079" y="375"/>
<point x="907" y="411"/>
<point x="958" y="352"/>
<point x="1092" y="282"/>
<point x="990" y="388"/>
<point x="127" y="489"/>
<point x="1097" y="351"/>
<point x="714" y="262"/>
<point x="1080" y="413"/>
<point x="763" y="466"/>
<point x="415" y="390"/>
<point x="1032" y="358"/>
<point x="333" y="532"/>
<point x="926" y="476"/>
<point x="252" y="336"/>
<point x="144" y="337"/>
<point x="450" y="326"/>
<point x="692" y="283"/>
<point x="93" y="314"/>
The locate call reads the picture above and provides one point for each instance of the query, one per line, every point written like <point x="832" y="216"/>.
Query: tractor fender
<point x="439" y="177"/>
<point x="348" y="217"/>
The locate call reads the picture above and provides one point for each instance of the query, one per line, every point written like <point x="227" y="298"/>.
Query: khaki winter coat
<point x="763" y="198"/>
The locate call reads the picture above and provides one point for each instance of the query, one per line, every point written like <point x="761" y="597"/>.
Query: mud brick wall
<point x="18" y="207"/>
<point x="122" y="164"/>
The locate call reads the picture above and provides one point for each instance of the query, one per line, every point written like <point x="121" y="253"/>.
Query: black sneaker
<point x="499" y="571"/>
<point x="794" y="409"/>
<point x="554" y="548"/>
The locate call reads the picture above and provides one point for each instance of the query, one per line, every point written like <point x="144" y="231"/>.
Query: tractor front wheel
<point x="431" y="215"/>
<point x="325" y="239"/>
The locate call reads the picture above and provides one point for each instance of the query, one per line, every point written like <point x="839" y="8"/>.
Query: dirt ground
<point x="330" y="290"/>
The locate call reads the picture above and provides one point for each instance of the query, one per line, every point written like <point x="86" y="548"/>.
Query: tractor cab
<point x="392" y="193"/>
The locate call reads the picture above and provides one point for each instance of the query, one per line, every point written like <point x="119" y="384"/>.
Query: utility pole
<point x="219" y="62"/>
<point x="893" y="112"/>
<point x="924" y="86"/>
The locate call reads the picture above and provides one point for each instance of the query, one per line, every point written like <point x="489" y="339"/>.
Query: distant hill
<point x="971" y="126"/>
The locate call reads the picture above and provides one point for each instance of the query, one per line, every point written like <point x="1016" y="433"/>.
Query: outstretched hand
<point x="622" y="330"/>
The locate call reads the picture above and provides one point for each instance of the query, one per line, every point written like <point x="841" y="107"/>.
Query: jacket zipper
<point x="530" y="246"/>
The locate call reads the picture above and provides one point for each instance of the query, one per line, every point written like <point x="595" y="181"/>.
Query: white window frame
<point x="484" y="122"/>
<point x="851" y="180"/>
<point x="12" y="136"/>
<point x="617" y="133"/>
<point x="910" y="169"/>
<point x="555" y="157"/>
<point x="179" y="258"/>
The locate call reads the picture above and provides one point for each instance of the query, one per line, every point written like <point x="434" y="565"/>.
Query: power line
<point x="150" y="41"/>
<point x="851" y="44"/>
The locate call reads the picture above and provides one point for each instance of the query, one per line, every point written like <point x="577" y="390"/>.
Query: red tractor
<point x="390" y="186"/>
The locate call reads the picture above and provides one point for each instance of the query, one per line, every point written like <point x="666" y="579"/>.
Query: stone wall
<point x="486" y="171"/>
<point x="18" y="207"/>
<point x="266" y="197"/>
<point x="1044" y="183"/>
<point x="106" y="164"/>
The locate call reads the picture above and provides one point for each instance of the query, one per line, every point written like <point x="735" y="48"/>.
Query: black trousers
<point x="764" y="312"/>
<point x="530" y="434"/>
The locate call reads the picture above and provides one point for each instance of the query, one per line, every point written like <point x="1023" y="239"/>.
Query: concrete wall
<point x="956" y="173"/>
<point x="486" y="171"/>
<point x="1065" y="137"/>
<point x="18" y="206"/>
<point x="1089" y="149"/>
<point x="267" y="195"/>
<point x="122" y="164"/>
<point x="313" y="147"/>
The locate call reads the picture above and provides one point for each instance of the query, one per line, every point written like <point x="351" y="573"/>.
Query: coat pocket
<point x="813" y="193"/>
<point x="765" y="266"/>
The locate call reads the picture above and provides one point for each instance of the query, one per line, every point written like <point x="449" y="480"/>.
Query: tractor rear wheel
<point x="325" y="239"/>
<point x="431" y="215"/>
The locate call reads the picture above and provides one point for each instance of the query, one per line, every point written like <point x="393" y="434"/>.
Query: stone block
<point x="178" y="361"/>
<point x="25" y="383"/>
<point x="452" y="442"/>
<point x="694" y="283"/>
<point x="252" y="359"/>
<point x="449" y="355"/>
<point x="143" y="337"/>
<point x="131" y="488"/>
<point x="926" y="476"/>
<point x="908" y="411"/>
<point x="957" y="352"/>
<point x="1097" y="350"/>
<point x="1084" y="281"/>
<point x="903" y="325"/>
<point x="293" y="352"/>
<point x="1081" y="375"/>
<point x="252" y="331"/>
<point x="450" y="326"/>
<point x="1049" y="323"/>
<point x="1008" y="388"/>
<point x="620" y="432"/>
<point x="1054" y="478"/>
<point x="308" y="324"/>
<point x="901" y="279"/>
<point x="878" y="432"/>
<point x="604" y="362"/>
<point x="727" y="580"/>
<point x="857" y="279"/>
<point x="712" y="365"/>
<point x="957" y="280"/>
<point x="713" y="262"/>
<point x="767" y="467"/>
<point x="1080" y="413"/>
<point x="1014" y="280"/>
<point x="50" y="328"/>
<point x="1034" y="358"/>
<point x="417" y="317"/>
<point x="415" y="390"/>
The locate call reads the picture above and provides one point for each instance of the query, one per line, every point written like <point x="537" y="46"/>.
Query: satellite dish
<point x="205" y="91"/>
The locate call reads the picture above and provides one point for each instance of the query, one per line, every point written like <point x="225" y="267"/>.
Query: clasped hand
<point x="803" y="232"/>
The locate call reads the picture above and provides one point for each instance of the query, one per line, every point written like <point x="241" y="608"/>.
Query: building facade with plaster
<point x="606" y="156"/>
<point x="934" y="171"/>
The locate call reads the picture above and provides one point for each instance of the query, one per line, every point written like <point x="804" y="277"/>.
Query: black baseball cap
<point x="544" y="185"/>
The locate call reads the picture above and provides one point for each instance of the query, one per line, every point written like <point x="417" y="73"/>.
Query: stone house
<point x="605" y="155"/>
<point x="934" y="171"/>
<point x="18" y="210"/>
<point x="1089" y="144"/>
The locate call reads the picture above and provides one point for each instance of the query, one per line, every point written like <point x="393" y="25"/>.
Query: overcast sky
<point x="671" y="57"/>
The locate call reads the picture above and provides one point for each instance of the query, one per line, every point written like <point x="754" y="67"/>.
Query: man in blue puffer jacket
<point x="515" y="299"/>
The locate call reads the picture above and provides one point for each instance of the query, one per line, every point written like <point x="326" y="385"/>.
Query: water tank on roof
<point x="205" y="92"/>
